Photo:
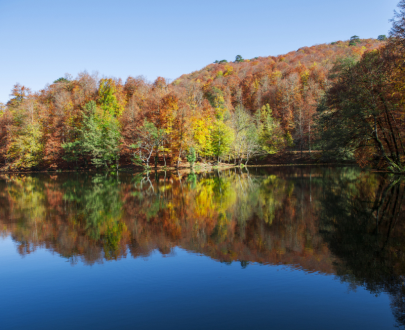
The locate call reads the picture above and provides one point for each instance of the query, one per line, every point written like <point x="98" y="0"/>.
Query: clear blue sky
<point x="41" y="40"/>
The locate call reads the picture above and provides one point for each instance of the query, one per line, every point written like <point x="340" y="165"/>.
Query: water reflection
<point x="362" y="221"/>
<point x="330" y="220"/>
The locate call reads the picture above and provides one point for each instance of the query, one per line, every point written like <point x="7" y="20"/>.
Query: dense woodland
<point x="343" y="99"/>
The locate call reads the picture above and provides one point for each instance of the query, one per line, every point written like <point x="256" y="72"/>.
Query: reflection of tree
<point x="271" y="196"/>
<point x="228" y="215"/>
<point x="97" y="208"/>
<point x="30" y="199"/>
<point x="338" y="221"/>
<point x="75" y="216"/>
<point x="362" y="222"/>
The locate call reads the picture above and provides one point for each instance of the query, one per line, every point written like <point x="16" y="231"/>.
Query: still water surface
<point x="275" y="248"/>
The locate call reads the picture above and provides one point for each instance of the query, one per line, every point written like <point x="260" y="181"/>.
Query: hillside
<point x="291" y="83"/>
<point x="209" y="114"/>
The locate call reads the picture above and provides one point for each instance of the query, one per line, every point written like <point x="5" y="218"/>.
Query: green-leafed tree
<point x="354" y="40"/>
<point x="191" y="156"/>
<point x="148" y="140"/>
<point x="270" y="134"/>
<point x="98" y="138"/>
<point x="222" y="137"/>
<point x="25" y="144"/>
<point x="239" y="58"/>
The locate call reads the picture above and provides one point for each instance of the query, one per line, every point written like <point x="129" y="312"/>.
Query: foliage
<point x="239" y="59"/>
<point x="98" y="138"/>
<point x="191" y="156"/>
<point x="222" y="137"/>
<point x="354" y="40"/>
<point x="398" y="23"/>
<point x="90" y="122"/>
<point x="61" y="80"/>
<point x="25" y="148"/>
<point x="271" y="136"/>
<point x="360" y="114"/>
<point x="344" y="221"/>
<point x="149" y="139"/>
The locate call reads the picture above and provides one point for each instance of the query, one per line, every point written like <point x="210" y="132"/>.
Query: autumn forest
<point x="337" y="102"/>
<point x="255" y="192"/>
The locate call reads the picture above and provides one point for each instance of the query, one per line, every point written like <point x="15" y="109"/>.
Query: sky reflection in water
<point x="285" y="248"/>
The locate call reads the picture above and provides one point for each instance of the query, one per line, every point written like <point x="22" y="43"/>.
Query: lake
<point x="256" y="248"/>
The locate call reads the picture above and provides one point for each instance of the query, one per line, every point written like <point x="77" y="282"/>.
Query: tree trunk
<point x="384" y="155"/>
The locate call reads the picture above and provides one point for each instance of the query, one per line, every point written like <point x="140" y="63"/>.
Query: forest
<point x="341" y="101"/>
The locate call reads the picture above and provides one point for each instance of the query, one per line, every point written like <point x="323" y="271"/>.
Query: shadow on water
<point x="362" y="222"/>
<point x="338" y="221"/>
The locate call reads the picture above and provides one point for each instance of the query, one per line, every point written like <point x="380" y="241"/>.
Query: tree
<point x="109" y="102"/>
<point x="270" y="135"/>
<point x="5" y="121"/>
<point x="201" y="136"/>
<point x="180" y="133"/>
<point x="18" y="94"/>
<point x="149" y="139"/>
<point x="25" y="148"/>
<point x="61" y="80"/>
<point x="382" y="37"/>
<point x="398" y="23"/>
<point x="99" y="138"/>
<point x="191" y="157"/>
<point x="360" y="114"/>
<point x="251" y="144"/>
<point x="222" y="137"/>
<point x="73" y="151"/>
<point x="239" y="58"/>
<point x="354" y="40"/>
<point x="241" y="121"/>
<point x="25" y="136"/>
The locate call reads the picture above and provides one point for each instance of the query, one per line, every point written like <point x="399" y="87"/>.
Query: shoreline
<point x="197" y="167"/>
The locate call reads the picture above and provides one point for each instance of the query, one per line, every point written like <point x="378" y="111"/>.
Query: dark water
<point x="275" y="248"/>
